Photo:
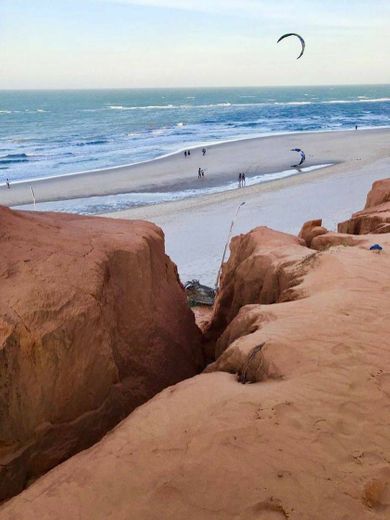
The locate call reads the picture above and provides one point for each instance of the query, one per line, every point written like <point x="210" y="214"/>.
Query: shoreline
<point x="222" y="163"/>
<point x="197" y="146"/>
<point x="97" y="205"/>
<point x="196" y="229"/>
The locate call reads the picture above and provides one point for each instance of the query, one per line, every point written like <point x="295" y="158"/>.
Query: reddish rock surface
<point x="307" y="440"/>
<point x="380" y="193"/>
<point x="310" y="230"/>
<point x="323" y="242"/>
<point x="309" y="437"/>
<point x="93" y="322"/>
<point x="375" y="217"/>
<point x="203" y="315"/>
<point x="256" y="272"/>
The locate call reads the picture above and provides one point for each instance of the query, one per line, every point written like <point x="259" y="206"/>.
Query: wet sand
<point x="196" y="229"/>
<point x="222" y="164"/>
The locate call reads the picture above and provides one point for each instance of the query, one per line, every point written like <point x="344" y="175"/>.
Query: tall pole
<point x="226" y="246"/>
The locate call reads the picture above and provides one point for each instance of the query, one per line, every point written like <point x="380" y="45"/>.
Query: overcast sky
<point x="174" y="43"/>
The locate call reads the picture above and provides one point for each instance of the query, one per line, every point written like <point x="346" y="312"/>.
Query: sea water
<point x="122" y="201"/>
<point x="50" y="133"/>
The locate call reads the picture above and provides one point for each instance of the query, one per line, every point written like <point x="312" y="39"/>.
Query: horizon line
<point x="70" y="89"/>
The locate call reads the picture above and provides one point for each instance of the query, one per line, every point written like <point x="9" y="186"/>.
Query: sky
<point x="191" y="43"/>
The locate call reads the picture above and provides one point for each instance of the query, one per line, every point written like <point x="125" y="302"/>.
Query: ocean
<point x="50" y="133"/>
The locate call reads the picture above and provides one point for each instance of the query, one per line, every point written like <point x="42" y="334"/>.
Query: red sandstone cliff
<point x="308" y="440"/>
<point x="375" y="217"/>
<point x="379" y="193"/>
<point x="93" y="322"/>
<point x="258" y="272"/>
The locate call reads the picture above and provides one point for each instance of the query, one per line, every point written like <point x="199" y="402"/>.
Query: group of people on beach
<point x="187" y="153"/>
<point x="241" y="180"/>
<point x="201" y="172"/>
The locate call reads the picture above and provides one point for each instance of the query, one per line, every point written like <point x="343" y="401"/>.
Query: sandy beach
<point x="196" y="229"/>
<point x="222" y="163"/>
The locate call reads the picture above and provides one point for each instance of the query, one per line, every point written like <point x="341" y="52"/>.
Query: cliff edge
<point x="289" y="421"/>
<point x="93" y="322"/>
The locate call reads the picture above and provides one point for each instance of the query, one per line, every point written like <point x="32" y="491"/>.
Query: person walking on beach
<point x="356" y="127"/>
<point x="189" y="153"/>
<point x="243" y="180"/>
<point x="202" y="174"/>
<point x="204" y="151"/>
<point x="239" y="180"/>
<point x="8" y="184"/>
<point x="185" y="153"/>
<point x="199" y="173"/>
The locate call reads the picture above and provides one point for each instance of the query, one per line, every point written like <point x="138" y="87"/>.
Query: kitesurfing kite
<point x="303" y="157"/>
<point x="298" y="36"/>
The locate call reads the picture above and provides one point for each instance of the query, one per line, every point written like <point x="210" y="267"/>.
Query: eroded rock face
<point x="375" y="217"/>
<point x="93" y="322"/>
<point x="372" y="220"/>
<point x="309" y="437"/>
<point x="379" y="194"/>
<point x="312" y="229"/>
<point x="258" y="271"/>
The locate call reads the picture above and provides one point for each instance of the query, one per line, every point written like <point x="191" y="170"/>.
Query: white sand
<point x="196" y="230"/>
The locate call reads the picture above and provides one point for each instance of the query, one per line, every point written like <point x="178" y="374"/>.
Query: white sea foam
<point x="159" y="131"/>
<point x="292" y="103"/>
<point x="34" y="111"/>
<point x="359" y="99"/>
<point x="148" y="107"/>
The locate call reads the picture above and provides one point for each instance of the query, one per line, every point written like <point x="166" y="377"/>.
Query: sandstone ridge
<point x="375" y="217"/>
<point x="309" y="327"/>
<point x="93" y="322"/>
